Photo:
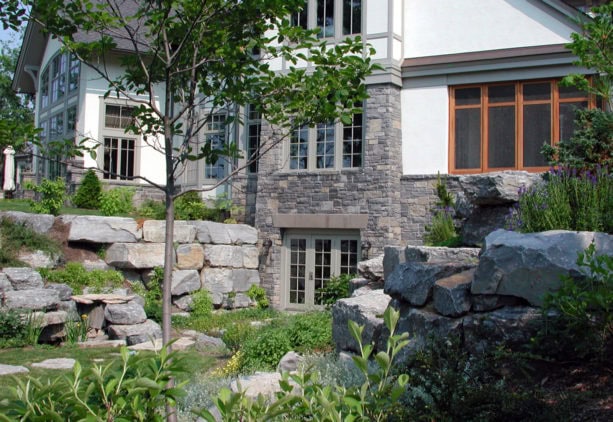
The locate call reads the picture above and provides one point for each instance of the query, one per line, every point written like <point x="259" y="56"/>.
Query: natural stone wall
<point x="373" y="189"/>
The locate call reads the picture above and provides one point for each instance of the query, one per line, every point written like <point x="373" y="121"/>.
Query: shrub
<point x="189" y="206"/>
<point x="88" y="193"/>
<point x="579" y="316"/>
<point x="258" y="295"/>
<point x="311" y="331"/>
<point x="52" y="196"/>
<point x="153" y="295"/>
<point x="116" y="201"/>
<point x="202" y="304"/>
<point x="14" y="236"/>
<point x="12" y="329"/>
<point x="237" y="334"/>
<point x="337" y="287"/>
<point x="566" y="200"/>
<point x="155" y="210"/>
<point x="264" y="350"/>
<point x="77" y="277"/>
<point x="442" y="231"/>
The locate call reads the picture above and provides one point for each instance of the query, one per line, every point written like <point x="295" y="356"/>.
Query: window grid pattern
<point x="118" y="116"/>
<point x="352" y="142"/>
<point x="215" y="135"/>
<point x="297" y="279"/>
<point x="349" y="256"/>
<point x="325" y="145"/>
<point x="58" y="77"/>
<point x="352" y="17"/>
<point x="254" y="129"/>
<point x="119" y="157"/>
<point x="503" y="126"/>
<point x="323" y="266"/>
<point x="325" y="18"/>
<point x="299" y="149"/>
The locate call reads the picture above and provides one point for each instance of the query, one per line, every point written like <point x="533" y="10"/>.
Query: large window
<point x="504" y="126"/>
<point x="119" y="153"/>
<point x="334" y="18"/>
<point x="254" y="129"/>
<point x="215" y="134"/>
<point x="59" y="79"/>
<point x="329" y="145"/>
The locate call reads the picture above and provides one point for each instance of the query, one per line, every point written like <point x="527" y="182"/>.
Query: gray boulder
<point x="441" y="254"/>
<point x="372" y="269"/>
<point x="95" y="229"/>
<point x="40" y="223"/>
<point x="498" y="188"/>
<point x="231" y="256"/>
<point x="38" y="259"/>
<point x="135" y="255"/>
<point x="358" y="284"/>
<point x="155" y="231"/>
<point x="190" y="256"/>
<point x="290" y="362"/>
<point x="183" y="302"/>
<point x="5" y="284"/>
<point x="225" y="280"/>
<point x="22" y="278"/>
<point x="32" y="299"/>
<point x="12" y="369"/>
<point x="451" y="295"/>
<point x="135" y="334"/>
<point x="125" y="313"/>
<point x="224" y="234"/>
<point x="366" y="310"/>
<point x="185" y="281"/>
<point x="482" y="221"/>
<point x="486" y="303"/>
<point x="530" y="265"/>
<point x="412" y="282"/>
<point x="64" y="291"/>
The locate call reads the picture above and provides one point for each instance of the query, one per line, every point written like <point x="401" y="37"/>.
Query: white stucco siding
<point x="425" y="133"/>
<point x="377" y="16"/>
<point x="149" y="162"/>
<point x="458" y="26"/>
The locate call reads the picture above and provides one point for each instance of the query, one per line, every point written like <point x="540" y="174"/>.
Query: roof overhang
<point x="30" y="58"/>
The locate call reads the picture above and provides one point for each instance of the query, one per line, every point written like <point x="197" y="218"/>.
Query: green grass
<point x="23" y="205"/>
<point x="15" y="236"/>
<point x="222" y="319"/>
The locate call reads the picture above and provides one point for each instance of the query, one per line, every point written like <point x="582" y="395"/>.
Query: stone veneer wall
<point x="373" y="189"/>
<point x="418" y="201"/>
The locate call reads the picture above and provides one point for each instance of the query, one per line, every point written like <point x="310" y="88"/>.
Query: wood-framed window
<point x="503" y="126"/>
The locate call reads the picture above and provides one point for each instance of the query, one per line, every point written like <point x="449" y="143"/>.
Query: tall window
<point x="325" y="18"/>
<point x="504" y="126"/>
<point x="74" y="69"/>
<point x="215" y="134"/>
<point x="325" y="145"/>
<point x="352" y="17"/>
<point x="299" y="149"/>
<point x="59" y="79"/>
<point x="301" y="18"/>
<point x="44" y="89"/>
<point x="254" y="128"/>
<point x="352" y="142"/>
<point x="119" y="148"/>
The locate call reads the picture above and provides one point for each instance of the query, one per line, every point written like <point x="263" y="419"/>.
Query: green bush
<point x="237" y="334"/>
<point x="258" y="295"/>
<point x="77" y="277"/>
<point x="52" y="194"/>
<point x="579" y="316"/>
<point x="153" y="295"/>
<point x="264" y="350"/>
<point x="155" y="210"/>
<point x="311" y="331"/>
<point x="202" y="304"/>
<point x="116" y="201"/>
<point x="566" y="200"/>
<point x="189" y="206"/>
<point x="12" y="329"/>
<point x="88" y="193"/>
<point x="337" y="287"/>
<point x="442" y="231"/>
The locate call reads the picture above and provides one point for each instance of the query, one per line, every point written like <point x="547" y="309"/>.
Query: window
<point x="503" y="126"/>
<point x="325" y="18"/>
<point x="301" y="18"/>
<point x="254" y="129"/>
<point x="327" y="146"/>
<point x="74" y="70"/>
<point x="71" y="119"/>
<point x="311" y="259"/>
<point x="118" y="116"/>
<point x="56" y="127"/>
<point x="59" y="79"/>
<point x="215" y="134"/>
<point x="118" y="158"/>
<point x="44" y="89"/>
<point x="352" y="17"/>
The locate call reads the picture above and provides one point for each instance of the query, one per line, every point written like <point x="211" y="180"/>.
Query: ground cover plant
<point x="16" y="236"/>
<point x="77" y="277"/>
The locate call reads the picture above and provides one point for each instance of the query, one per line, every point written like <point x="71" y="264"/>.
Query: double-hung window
<point x="503" y="126"/>
<point x="254" y="129"/>
<point x="215" y="135"/>
<point x="119" y="147"/>
<point x="334" y="18"/>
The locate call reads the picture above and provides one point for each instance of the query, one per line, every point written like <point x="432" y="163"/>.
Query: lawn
<point x="23" y="205"/>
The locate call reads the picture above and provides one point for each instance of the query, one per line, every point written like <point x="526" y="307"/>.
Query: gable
<point x="441" y="27"/>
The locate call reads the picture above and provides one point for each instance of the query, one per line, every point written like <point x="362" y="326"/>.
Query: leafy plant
<point x="258" y="295"/>
<point x="14" y="236"/>
<point x="77" y="277"/>
<point x="136" y="390"/>
<point x="264" y="350"/>
<point x="337" y="287"/>
<point x="76" y="328"/>
<point x="237" y="334"/>
<point x="12" y="329"/>
<point x="189" y="206"/>
<point x="116" y="201"/>
<point x="153" y="295"/>
<point x="155" y="210"/>
<point x="52" y="194"/>
<point x="33" y="322"/>
<point x="442" y="231"/>
<point x="566" y="200"/>
<point x="579" y="316"/>
<point x="88" y="192"/>
<point x="311" y="331"/>
<point x="202" y="304"/>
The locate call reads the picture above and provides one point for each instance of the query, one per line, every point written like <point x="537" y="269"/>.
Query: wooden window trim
<point x="555" y="101"/>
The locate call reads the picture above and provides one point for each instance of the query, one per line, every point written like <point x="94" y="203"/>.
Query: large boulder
<point x="372" y="269"/>
<point x="225" y="280"/>
<point x="231" y="256"/>
<point x="530" y="265"/>
<point x="38" y="259"/>
<point x="412" y="282"/>
<point x="5" y="284"/>
<point x="185" y="281"/>
<point x="23" y="278"/>
<point x="441" y="254"/>
<point x="224" y="234"/>
<point x="190" y="256"/>
<point x="367" y="311"/>
<point x="135" y="255"/>
<point x="498" y="188"/>
<point x="155" y="231"/>
<point x="32" y="299"/>
<point x="482" y="221"/>
<point x="125" y="313"/>
<point x="40" y="223"/>
<point x="451" y="295"/>
<point x="136" y="333"/>
<point x="96" y="229"/>
<point x="63" y="290"/>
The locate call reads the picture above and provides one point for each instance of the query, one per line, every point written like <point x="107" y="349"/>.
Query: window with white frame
<point x="301" y="18"/>
<point x="334" y="18"/>
<point x="119" y="154"/>
<point x="59" y="79"/>
<point x="215" y="135"/>
<point x="327" y="146"/>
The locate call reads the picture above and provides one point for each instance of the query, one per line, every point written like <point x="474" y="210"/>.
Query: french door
<point x="311" y="259"/>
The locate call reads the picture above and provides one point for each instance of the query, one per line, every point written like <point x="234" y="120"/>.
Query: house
<point x="467" y="86"/>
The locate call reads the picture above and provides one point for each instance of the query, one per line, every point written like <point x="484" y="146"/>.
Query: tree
<point x="213" y="54"/>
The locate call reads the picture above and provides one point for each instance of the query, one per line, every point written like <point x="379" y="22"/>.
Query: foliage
<point x="311" y="331"/>
<point x="442" y="231"/>
<point x="222" y="320"/>
<point x="579" y="316"/>
<point x="76" y="328"/>
<point x="77" y="277"/>
<point x="374" y="400"/>
<point x="258" y="295"/>
<point x="135" y="390"/>
<point x="33" y="327"/>
<point x="12" y="329"/>
<point x="116" y="201"/>
<point x="236" y="334"/>
<point x="153" y="295"/>
<point x="189" y="206"/>
<point x="566" y="200"/>
<point x="593" y="48"/>
<point x="202" y="304"/>
<point x="264" y="350"/>
<point x="89" y="191"/>
<point x="52" y="194"/>
<point x="337" y="287"/>
<point x="155" y="210"/>
<point x="232" y="367"/>
<point x="591" y="143"/>
<point x="14" y="236"/>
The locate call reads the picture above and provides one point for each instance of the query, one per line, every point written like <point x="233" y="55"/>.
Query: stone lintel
<point x="320" y="221"/>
